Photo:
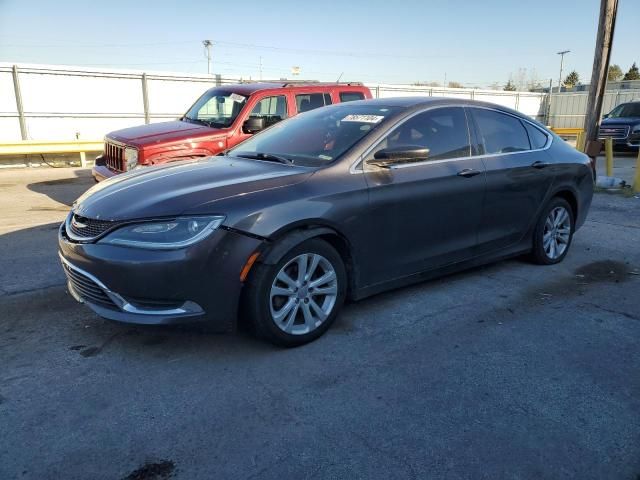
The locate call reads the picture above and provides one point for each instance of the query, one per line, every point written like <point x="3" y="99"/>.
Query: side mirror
<point x="254" y="125"/>
<point x="606" y="115"/>
<point x="387" y="157"/>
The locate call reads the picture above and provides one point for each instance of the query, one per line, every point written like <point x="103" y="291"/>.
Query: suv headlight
<point x="130" y="157"/>
<point x="636" y="128"/>
<point x="164" y="234"/>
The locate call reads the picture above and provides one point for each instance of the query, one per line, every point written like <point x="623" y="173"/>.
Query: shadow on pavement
<point x="65" y="190"/>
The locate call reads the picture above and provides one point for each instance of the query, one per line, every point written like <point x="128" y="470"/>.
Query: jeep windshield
<point x="216" y="108"/>
<point x="626" y="110"/>
<point x="315" y="138"/>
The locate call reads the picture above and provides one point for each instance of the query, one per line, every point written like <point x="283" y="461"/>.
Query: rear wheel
<point x="553" y="233"/>
<point x="296" y="301"/>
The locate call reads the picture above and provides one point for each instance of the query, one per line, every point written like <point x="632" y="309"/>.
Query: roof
<point x="417" y="102"/>
<point x="252" y="87"/>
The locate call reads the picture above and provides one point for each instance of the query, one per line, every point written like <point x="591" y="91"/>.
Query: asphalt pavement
<point x="507" y="371"/>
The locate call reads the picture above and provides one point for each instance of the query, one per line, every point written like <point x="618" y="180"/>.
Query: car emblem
<point x="76" y="224"/>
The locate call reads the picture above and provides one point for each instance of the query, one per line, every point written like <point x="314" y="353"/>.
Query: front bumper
<point x="100" y="171"/>
<point x="631" y="142"/>
<point x="200" y="283"/>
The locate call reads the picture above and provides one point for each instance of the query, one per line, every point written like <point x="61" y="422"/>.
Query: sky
<point x="475" y="43"/>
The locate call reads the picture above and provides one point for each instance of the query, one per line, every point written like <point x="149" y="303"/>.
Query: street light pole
<point x="208" y="44"/>
<point x="562" y="54"/>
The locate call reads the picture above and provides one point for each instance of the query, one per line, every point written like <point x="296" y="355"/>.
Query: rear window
<point x="500" y="133"/>
<point x="536" y="137"/>
<point x="351" y="96"/>
<point x="311" y="101"/>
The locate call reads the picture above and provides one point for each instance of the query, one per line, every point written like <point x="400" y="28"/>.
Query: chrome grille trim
<point x="86" y="288"/>
<point x="615" y="132"/>
<point x="83" y="229"/>
<point x="114" y="156"/>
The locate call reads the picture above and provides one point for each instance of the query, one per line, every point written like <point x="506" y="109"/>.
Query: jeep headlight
<point x="164" y="234"/>
<point x="130" y="157"/>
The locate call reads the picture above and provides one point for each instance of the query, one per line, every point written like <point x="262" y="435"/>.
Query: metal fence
<point x="41" y="102"/>
<point x="568" y="109"/>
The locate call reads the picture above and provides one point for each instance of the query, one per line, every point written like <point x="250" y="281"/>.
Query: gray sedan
<point x="339" y="203"/>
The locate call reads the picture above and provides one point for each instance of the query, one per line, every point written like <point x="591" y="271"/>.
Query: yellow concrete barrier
<point x="567" y="132"/>
<point x="636" y="181"/>
<point x="580" y="141"/>
<point x="608" y="155"/>
<point x="36" y="147"/>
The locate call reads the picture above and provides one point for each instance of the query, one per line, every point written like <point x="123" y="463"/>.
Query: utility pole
<point x="208" y="44"/>
<point x="604" y="40"/>
<point x="562" y="54"/>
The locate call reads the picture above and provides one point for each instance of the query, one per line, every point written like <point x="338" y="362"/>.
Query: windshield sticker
<point x="237" y="98"/>
<point x="324" y="157"/>
<point x="363" y="118"/>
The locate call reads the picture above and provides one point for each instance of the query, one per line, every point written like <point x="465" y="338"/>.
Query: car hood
<point x="183" y="186"/>
<point x="162" y="132"/>
<point x="620" y="121"/>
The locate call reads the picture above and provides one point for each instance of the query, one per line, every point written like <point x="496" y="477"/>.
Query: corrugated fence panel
<point x="62" y="102"/>
<point x="9" y="123"/>
<point x="171" y="98"/>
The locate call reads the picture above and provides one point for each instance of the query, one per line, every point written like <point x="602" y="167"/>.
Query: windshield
<point x="317" y="137"/>
<point x="626" y="110"/>
<point x="216" y="108"/>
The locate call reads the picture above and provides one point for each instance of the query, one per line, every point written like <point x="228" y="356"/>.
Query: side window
<point x="309" y="101"/>
<point x="327" y="99"/>
<point x="499" y="132"/>
<point x="536" y="137"/>
<point x="351" y="96"/>
<point x="442" y="130"/>
<point x="273" y="109"/>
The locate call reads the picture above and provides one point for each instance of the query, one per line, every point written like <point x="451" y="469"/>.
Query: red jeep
<point x="221" y="118"/>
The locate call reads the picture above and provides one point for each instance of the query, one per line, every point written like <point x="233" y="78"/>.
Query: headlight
<point x="636" y="128"/>
<point x="166" y="234"/>
<point x="130" y="157"/>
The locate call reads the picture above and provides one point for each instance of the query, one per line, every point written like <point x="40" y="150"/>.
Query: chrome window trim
<point x="356" y="167"/>
<point x="186" y="307"/>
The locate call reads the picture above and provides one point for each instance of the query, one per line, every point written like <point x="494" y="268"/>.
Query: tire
<point x="553" y="233"/>
<point x="290" y="311"/>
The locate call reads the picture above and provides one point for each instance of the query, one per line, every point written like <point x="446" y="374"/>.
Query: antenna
<point x="337" y="81"/>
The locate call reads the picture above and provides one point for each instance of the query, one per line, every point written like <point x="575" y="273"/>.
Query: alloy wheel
<point x="557" y="232"/>
<point x="303" y="294"/>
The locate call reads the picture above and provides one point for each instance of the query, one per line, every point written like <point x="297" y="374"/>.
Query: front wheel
<point x="296" y="300"/>
<point x="554" y="232"/>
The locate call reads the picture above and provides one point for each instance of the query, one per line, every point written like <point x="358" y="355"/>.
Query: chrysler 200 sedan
<point x="338" y="203"/>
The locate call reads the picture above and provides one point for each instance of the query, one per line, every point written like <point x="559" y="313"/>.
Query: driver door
<point x="424" y="214"/>
<point x="273" y="108"/>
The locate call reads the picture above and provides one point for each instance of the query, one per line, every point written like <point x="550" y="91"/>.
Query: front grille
<point x="88" y="228"/>
<point x="88" y="290"/>
<point x="114" y="155"/>
<point x="620" y="132"/>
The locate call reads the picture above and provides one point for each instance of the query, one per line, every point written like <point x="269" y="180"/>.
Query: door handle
<point x="469" y="172"/>
<point x="540" y="164"/>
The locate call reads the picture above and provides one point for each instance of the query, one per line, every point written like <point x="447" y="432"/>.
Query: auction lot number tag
<point x="363" y="118"/>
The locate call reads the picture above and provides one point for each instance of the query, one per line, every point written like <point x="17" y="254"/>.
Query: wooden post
<point x="604" y="39"/>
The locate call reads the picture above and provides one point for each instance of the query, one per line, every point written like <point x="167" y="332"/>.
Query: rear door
<point x="306" y="101"/>
<point x="425" y="214"/>
<point x="518" y="175"/>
